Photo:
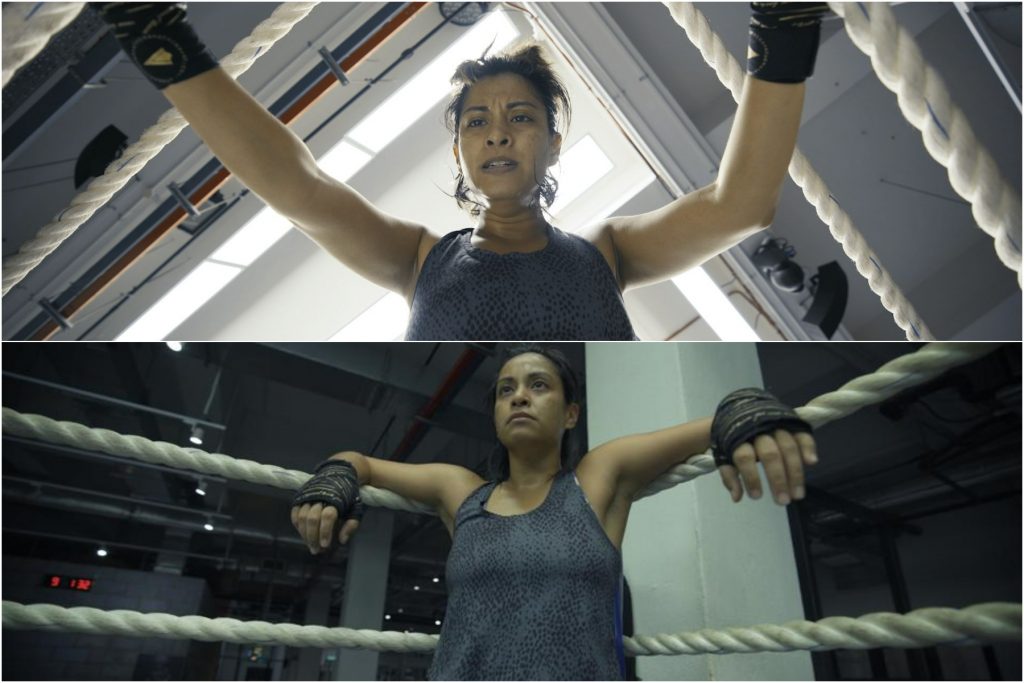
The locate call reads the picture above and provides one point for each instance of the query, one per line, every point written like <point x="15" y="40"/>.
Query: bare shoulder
<point x="459" y="483"/>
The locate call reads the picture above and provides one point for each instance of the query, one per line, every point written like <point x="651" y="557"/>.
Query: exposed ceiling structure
<point x="853" y="133"/>
<point x="950" y="444"/>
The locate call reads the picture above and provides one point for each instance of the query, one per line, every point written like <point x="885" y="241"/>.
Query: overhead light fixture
<point x="197" y="436"/>
<point x="387" y="617"/>
<point x="415" y="588"/>
<point x="400" y="610"/>
<point x="713" y="306"/>
<point x="437" y="622"/>
<point x="209" y="524"/>
<point x="101" y="551"/>
<point x="201" y="487"/>
<point x="386" y="319"/>
<point x="175" y="345"/>
<point x="437" y="580"/>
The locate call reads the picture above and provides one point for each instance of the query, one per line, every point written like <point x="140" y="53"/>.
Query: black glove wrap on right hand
<point x="784" y="39"/>
<point x="158" y="38"/>
<point x="335" y="483"/>
<point x="746" y="414"/>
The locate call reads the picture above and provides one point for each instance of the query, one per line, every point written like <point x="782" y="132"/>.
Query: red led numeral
<point x="54" y="582"/>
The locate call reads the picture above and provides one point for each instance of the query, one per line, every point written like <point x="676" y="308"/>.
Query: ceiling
<point x="853" y="133"/>
<point x="953" y="443"/>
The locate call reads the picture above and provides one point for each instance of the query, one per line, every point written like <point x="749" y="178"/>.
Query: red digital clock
<point x="74" y="583"/>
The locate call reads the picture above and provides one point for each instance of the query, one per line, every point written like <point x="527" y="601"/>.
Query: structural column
<point x="307" y="665"/>
<point x="366" y="583"/>
<point x="692" y="557"/>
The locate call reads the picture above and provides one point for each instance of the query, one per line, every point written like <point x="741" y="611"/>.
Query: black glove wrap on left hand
<point x="335" y="483"/>
<point x="158" y="38"/>
<point x="746" y="414"/>
<point x="784" y="40"/>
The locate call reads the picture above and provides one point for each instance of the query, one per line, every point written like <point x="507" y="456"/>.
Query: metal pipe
<point x="114" y="496"/>
<point x="114" y="401"/>
<point x="71" y="450"/>
<point x="993" y="57"/>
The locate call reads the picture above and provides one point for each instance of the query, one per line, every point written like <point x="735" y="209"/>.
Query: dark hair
<point x="526" y="60"/>
<point x="497" y="465"/>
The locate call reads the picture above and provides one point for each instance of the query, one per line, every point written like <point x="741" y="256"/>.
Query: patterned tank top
<point x="536" y="596"/>
<point x="565" y="291"/>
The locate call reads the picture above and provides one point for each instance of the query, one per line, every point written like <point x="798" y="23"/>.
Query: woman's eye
<point x="540" y="384"/>
<point x="521" y="117"/>
<point x="502" y="391"/>
<point x="473" y="123"/>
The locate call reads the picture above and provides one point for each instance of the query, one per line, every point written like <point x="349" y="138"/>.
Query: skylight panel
<point x="714" y="306"/>
<point x="579" y="168"/>
<point x="431" y="84"/>
<point x="386" y="319"/>
<point x="254" y="238"/>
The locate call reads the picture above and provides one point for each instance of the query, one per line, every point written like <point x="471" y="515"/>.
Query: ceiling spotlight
<point x="772" y="259"/>
<point x="437" y="580"/>
<point x="400" y="610"/>
<point x="201" y="487"/>
<point x="387" y="617"/>
<point x="828" y="287"/>
<point x="209" y="524"/>
<point x="197" y="435"/>
<point x="101" y="551"/>
<point x="174" y="345"/>
<point x="437" y="622"/>
<point x="415" y="588"/>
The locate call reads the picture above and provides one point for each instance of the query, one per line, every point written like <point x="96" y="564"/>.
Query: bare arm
<point x="275" y="164"/>
<point x="741" y="201"/>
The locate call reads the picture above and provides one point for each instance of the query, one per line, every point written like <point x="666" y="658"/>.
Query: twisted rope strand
<point x="987" y="622"/>
<point x="926" y="104"/>
<point x="48" y="430"/>
<point x="839" y="223"/>
<point x="28" y="27"/>
<point x="895" y="376"/>
<point x="138" y="154"/>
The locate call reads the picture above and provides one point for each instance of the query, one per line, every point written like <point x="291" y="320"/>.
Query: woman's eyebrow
<point x="510" y="105"/>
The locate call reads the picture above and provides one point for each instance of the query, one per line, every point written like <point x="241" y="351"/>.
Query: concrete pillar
<point x="366" y="583"/>
<point x="307" y="666"/>
<point x="173" y="563"/>
<point x="692" y="557"/>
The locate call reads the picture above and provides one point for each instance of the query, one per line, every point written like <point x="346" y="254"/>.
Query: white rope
<point x="839" y="223"/>
<point x="983" y="623"/>
<point x="895" y="376"/>
<point x="162" y="453"/>
<point x="138" y="154"/>
<point x="899" y="374"/>
<point x="28" y="27"/>
<point x="947" y="134"/>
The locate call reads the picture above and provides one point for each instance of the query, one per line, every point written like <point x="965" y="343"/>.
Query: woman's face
<point x="503" y="146"/>
<point x="529" y="404"/>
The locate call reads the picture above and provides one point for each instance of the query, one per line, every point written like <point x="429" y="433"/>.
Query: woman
<point x="513" y="275"/>
<point x="535" y="566"/>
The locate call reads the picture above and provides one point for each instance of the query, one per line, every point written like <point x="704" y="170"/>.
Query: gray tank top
<point x="565" y="291"/>
<point x="536" y="596"/>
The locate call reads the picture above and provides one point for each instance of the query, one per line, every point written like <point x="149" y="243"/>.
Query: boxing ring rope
<point x="120" y="172"/>
<point x="732" y="76"/>
<point x="28" y="27"/>
<point x="984" y="623"/>
<point x="919" y="628"/>
<point x="895" y="376"/>
<point x="947" y="134"/>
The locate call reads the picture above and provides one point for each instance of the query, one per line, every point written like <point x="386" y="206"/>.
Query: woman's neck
<point x="512" y="226"/>
<point x="527" y="475"/>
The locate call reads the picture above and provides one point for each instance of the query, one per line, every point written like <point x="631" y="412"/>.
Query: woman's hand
<point x="331" y="493"/>
<point x="315" y="523"/>
<point x="784" y="455"/>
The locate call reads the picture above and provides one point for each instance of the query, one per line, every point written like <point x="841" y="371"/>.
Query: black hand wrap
<point x="784" y="40"/>
<point x="745" y="414"/>
<point x="157" y="37"/>
<point x="335" y="483"/>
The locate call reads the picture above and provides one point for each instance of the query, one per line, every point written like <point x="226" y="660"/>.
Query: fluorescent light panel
<point x="177" y="304"/>
<point x="385" y="320"/>
<point x="714" y="306"/>
<point x="580" y="167"/>
<point x="254" y="238"/>
<point x="426" y="89"/>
